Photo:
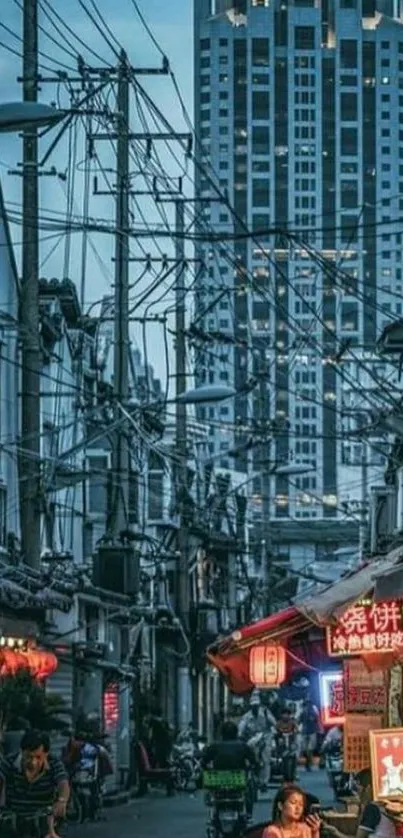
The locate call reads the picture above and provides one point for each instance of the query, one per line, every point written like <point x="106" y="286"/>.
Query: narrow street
<point x="158" y="817"/>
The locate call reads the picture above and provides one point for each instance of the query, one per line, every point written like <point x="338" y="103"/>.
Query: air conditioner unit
<point x="382" y="517"/>
<point x="117" y="569"/>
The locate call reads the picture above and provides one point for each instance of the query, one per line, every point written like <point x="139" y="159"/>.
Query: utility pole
<point x="30" y="467"/>
<point x="184" y="698"/>
<point x="120" y="452"/>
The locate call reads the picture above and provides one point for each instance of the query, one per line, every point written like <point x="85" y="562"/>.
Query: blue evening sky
<point x="171" y="23"/>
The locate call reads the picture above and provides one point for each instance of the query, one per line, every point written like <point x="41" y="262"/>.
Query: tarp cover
<point x="329" y="605"/>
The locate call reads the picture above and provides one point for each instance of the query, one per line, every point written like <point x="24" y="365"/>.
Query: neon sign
<point x="367" y="627"/>
<point x="332" y="698"/>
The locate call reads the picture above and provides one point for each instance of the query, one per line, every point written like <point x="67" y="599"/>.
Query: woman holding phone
<point x="289" y="816"/>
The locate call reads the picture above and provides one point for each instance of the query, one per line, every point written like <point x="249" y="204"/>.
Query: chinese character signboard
<point x="331" y="698"/>
<point x="356" y="750"/>
<point x="365" y="691"/>
<point x="367" y="627"/>
<point x="387" y="762"/>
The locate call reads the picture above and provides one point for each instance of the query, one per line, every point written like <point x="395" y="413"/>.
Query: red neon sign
<point x="332" y="698"/>
<point x="367" y="627"/>
<point x="111" y="707"/>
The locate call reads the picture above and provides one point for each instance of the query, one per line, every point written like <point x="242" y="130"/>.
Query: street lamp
<point x="18" y="116"/>
<point x="207" y="393"/>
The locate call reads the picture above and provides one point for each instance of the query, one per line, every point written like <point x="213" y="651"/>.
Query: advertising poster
<point x="356" y="750"/>
<point x="387" y="762"/>
<point x="365" y="692"/>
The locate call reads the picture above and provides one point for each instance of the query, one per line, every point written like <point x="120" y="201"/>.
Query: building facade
<point x="299" y="116"/>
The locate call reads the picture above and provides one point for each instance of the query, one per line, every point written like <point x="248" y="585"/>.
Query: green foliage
<point x="24" y="703"/>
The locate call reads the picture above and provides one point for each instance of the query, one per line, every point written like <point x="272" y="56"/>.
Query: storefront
<point x="349" y="641"/>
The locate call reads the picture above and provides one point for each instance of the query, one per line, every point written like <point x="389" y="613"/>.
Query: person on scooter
<point x="33" y="781"/>
<point x="259" y="723"/>
<point x="286" y="743"/>
<point x="311" y="728"/>
<point x="231" y="754"/>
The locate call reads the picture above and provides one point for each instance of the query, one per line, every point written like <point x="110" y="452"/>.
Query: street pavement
<point x="182" y="816"/>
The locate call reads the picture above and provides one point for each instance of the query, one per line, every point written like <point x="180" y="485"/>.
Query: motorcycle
<point x="226" y="799"/>
<point x="339" y="780"/>
<point x="283" y="758"/>
<point x="186" y="763"/>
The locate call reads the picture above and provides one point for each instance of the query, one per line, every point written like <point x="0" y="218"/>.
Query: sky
<point x="171" y="24"/>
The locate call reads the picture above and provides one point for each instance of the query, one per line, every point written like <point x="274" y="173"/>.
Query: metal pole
<point x="120" y="454"/>
<point x="29" y="471"/>
<point x="184" y="703"/>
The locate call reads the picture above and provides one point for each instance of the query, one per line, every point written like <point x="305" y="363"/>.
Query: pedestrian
<point x="289" y="816"/>
<point x="373" y="818"/>
<point x="160" y="739"/>
<point x="310" y="729"/>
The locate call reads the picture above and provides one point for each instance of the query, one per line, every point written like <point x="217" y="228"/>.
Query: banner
<point x="357" y="754"/>
<point x="364" y="691"/>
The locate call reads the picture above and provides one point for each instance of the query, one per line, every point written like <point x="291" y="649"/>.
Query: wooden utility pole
<point x="120" y="453"/>
<point x="30" y="467"/>
<point x="184" y="700"/>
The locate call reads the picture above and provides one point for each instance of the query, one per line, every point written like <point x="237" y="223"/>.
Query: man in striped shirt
<point x="33" y="780"/>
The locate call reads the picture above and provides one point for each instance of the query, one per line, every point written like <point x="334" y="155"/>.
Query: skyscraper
<point x="299" y="117"/>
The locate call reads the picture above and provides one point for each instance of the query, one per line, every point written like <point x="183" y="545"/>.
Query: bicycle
<point x="13" y="825"/>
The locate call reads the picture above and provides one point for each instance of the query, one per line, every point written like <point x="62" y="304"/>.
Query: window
<point x="349" y="193"/>
<point x="260" y="52"/>
<point x="155" y="495"/>
<point x="348" y="107"/>
<point x="260" y="193"/>
<point x="348" y="53"/>
<point x="304" y="37"/>
<point x="98" y="485"/>
<point x="205" y="43"/>
<point x="260" y="140"/>
<point x="260" y="105"/>
<point x="349" y="228"/>
<point x="349" y="141"/>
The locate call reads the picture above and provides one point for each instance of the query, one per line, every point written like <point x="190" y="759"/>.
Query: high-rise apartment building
<point x="299" y="117"/>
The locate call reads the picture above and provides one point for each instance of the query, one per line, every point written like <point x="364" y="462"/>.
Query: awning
<point x="300" y="628"/>
<point x="230" y="655"/>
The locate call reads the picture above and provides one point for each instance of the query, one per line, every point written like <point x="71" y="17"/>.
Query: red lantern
<point x="267" y="665"/>
<point x="40" y="664"/>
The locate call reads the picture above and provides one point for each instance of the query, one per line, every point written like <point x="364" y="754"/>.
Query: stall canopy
<point x="301" y="628"/>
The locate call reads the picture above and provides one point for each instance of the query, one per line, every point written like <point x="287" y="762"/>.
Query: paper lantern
<point x="267" y="665"/>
